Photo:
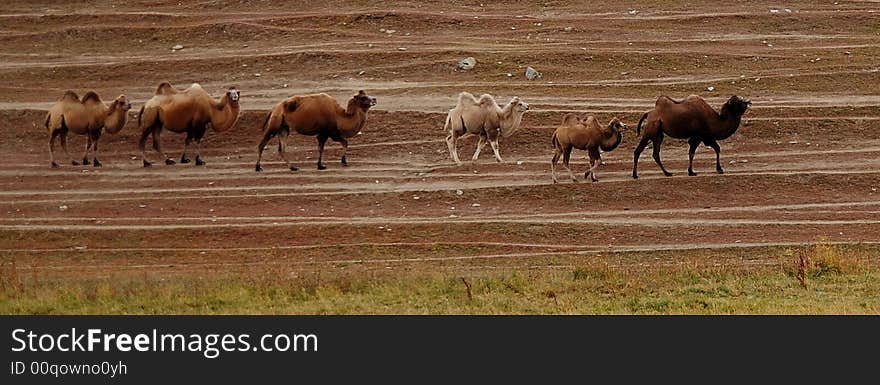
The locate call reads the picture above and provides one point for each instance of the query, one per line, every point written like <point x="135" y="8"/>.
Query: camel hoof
<point x="322" y="167"/>
<point x="667" y="173"/>
<point x="199" y="162"/>
<point x="294" y="168"/>
<point x="258" y="168"/>
<point x="75" y="163"/>
<point x="97" y="163"/>
<point x="184" y="160"/>
<point x="691" y="173"/>
<point x="55" y="165"/>
<point x="720" y="171"/>
<point x="147" y="164"/>
<point x="170" y="162"/>
<point x="344" y="161"/>
<point x="85" y="162"/>
<point x="635" y="176"/>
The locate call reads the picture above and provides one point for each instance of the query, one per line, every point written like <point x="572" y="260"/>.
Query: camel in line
<point x="89" y="117"/>
<point x="483" y="117"/>
<point x="584" y="134"/>
<point x="692" y="119"/>
<point x="315" y="115"/>
<point x="191" y="111"/>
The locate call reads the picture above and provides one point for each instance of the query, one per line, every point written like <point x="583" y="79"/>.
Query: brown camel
<point x="692" y="119"/>
<point x="584" y="134"/>
<point x="190" y="111"/>
<point x="315" y="115"/>
<point x="482" y="117"/>
<point x="89" y="117"/>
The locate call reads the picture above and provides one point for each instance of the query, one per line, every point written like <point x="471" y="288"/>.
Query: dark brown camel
<point x="692" y="119"/>
<point x="315" y="115"/>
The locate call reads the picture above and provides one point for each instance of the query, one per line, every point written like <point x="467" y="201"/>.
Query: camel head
<point x="363" y="100"/>
<point x="122" y="102"/>
<point x="518" y="105"/>
<point x="614" y="134"/>
<point x="737" y="105"/>
<point x="233" y="94"/>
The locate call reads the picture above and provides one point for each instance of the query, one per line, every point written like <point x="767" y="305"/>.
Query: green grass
<point x="835" y="282"/>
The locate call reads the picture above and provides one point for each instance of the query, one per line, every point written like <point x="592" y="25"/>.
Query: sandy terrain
<point x="804" y="166"/>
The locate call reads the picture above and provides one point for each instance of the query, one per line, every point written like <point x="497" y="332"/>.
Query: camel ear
<point x="361" y="92"/>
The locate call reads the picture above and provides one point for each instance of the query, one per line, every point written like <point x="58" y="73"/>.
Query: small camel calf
<point x="584" y="134"/>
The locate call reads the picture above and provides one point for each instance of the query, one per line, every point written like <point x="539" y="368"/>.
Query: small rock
<point x="710" y="88"/>
<point x="177" y="47"/>
<point x="475" y="205"/>
<point x="62" y="207"/>
<point x="847" y="53"/>
<point x="793" y="142"/>
<point x="361" y="73"/>
<point x="467" y="63"/>
<point x="142" y="206"/>
<point x="732" y="162"/>
<point x="633" y="12"/>
<point x="416" y="197"/>
<point x="519" y="163"/>
<point x="80" y="248"/>
<point x="285" y="85"/>
<point x="381" y="29"/>
<point x="510" y="75"/>
<point x="401" y="49"/>
<point x="457" y="192"/>
<point x="568" y="29"/>
<point x="774" y="11"/>
<point x="257" y="75"/>
<point x="531" y="73"/>
<point x="390" y="31"/>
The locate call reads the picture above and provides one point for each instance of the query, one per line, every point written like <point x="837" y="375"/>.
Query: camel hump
<point x="467" y="97"/>
<point x="165" y="88"/>
<point x="570" y="118"/>
<point x="91" y="97"/>
<point x="486" y="99"/>
<point x="70" y="95"/>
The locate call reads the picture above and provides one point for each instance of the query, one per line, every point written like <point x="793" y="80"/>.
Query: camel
<point x="191" y="111"/>
<point x="584" y="134"/>
<point x="692" y="119"/>
<point x="89" y="117"/>
<point x="482" y="117"/>
<point x="315" y="115"/>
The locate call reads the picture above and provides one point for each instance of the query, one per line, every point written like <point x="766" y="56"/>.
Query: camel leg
<point x="658" y="140"/>
<point x="157" y="145"/>
<point x="64" y="146"/>
<point x="494" y="144"/>
<point x="142" y="143"/>
<point x="186" y="142"/>
<point x="717" y="148"/>
<point x="694" y="143"/>
<point x="267" y="136"/>
<point x="451" y="141"/>
<point x="52" y="137"/>
<point x="199" y="160"/>
<point x="566" y="155"/>
<point x="553" y="164"/>
<point x="321" y="141"/>
<point x="344" y="144"/>
<point x="481" y="142"/>
<point x="282" y="147"/>
<point x="637" y="153"/>
<point x="595" y="161"/>
<point x="95" y="140"/>
<point x="85" y="161"/>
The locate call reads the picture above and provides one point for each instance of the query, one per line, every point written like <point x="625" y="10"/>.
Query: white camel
<point x="483" y="117"/>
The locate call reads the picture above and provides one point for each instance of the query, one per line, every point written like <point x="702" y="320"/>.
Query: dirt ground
<point x="803" y="167"/>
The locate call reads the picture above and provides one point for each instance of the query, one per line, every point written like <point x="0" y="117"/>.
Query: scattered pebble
<point x="361" y="73"/>
<point x="142" y="206"/>
<point x="531" y="73"/>
<point x="457" y="192"/>
<point x="467" y="63"/>
<point x="177" y="47"/>
<point x="416" y="197"/>
<point x="62" y="207"/>
<point x="401" y="49"/>
<point x="710" y="88"/>
<point x="568" y="29"/>
<point x="475" y="205"/>
<point x="519" y="163"/>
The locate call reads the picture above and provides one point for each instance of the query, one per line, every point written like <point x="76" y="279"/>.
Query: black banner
<point x="231" y="349"/>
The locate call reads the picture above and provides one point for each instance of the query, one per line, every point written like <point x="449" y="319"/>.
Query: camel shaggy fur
<point x="89" y="117"/>
<point x="584" y="134"/>
<point x="482" y="117"/>
<point x="692" y="119"/>
<point x="315" y="115"/>
<point x="190" y="111"/>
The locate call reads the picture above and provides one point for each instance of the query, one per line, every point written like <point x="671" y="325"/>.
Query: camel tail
<point x="48" y="116"/>
<point x="266" y="121"/>
<point x="140" y="115"/>
<point x="639" y="126"/>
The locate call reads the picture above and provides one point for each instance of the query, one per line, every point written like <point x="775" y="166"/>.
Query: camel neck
<point x="115" y="119"/>
<point x="224" y="115"/>
<point x="728" y="123"/>
<point x="352" y="121"/>
<point x="509" y="120"/>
